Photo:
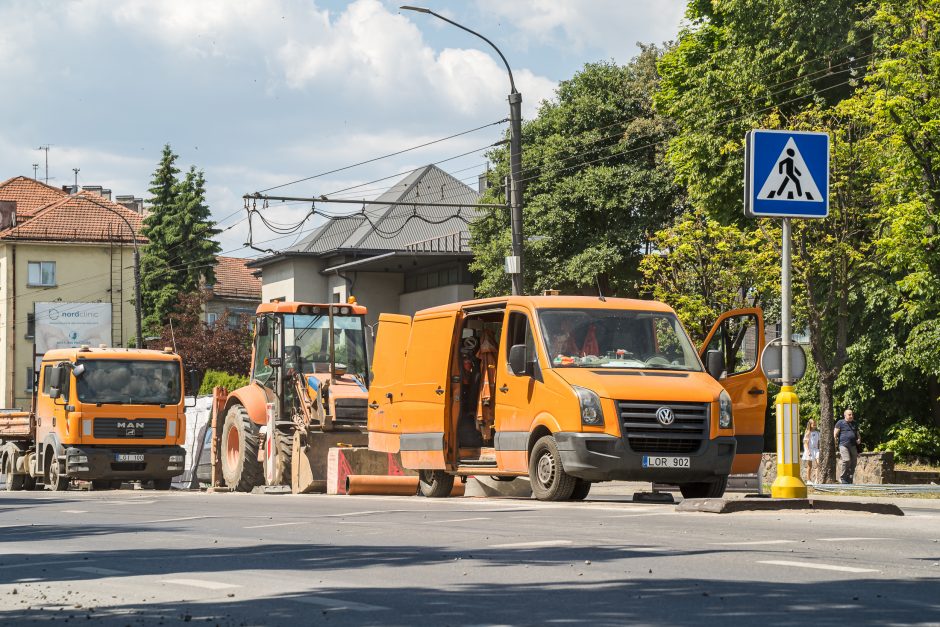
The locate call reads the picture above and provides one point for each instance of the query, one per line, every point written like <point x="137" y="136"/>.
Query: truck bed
<point x="15" y="424"/>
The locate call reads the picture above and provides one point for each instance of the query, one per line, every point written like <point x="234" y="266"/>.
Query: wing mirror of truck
<point x="715" y="363"/>
<point x="194" y="378"/>
<point x="57" y="379"/>
<point x="518" y="361"/>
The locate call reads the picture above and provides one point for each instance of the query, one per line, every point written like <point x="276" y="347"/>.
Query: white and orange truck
<point x="102" y="415"/>
<point x="569" y="391"/>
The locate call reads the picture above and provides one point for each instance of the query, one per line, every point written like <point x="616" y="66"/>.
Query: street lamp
<point x="514" y="263"/>
<point x="137" y="301"/>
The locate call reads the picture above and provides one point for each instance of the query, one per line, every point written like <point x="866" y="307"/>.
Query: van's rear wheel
<point x="704" y="490"/>
<point x="549" y="480"/>
<point x="240" y="466"/>
<point x="435" y="484"/>
<point x="581" y="489"/>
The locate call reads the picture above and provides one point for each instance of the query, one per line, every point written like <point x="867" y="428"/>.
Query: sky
<point x="259" y="93"/>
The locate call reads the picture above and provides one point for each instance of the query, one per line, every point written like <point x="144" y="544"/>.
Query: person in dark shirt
<point x="847" y="438"/>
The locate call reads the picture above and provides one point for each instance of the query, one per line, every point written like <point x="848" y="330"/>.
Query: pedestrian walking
<point x="847" y="438"/>
<point x="811" y="451"/>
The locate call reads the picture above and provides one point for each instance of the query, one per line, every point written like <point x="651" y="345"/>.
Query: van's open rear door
<point x="424" y="410"/>
<point x="739" y="335"/>
<point x="388" y="366"/>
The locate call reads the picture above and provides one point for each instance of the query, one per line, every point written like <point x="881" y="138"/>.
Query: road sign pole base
<point x="789" y="484"/>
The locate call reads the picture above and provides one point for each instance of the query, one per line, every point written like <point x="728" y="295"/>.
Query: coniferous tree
<point x="180" y="250"/>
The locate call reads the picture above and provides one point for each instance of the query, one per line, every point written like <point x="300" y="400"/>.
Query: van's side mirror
<point x="518" y="361"/>
<point x="715" y="363"/>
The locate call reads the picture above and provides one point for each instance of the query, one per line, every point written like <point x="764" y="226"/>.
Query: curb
<point x="731" y="506"/>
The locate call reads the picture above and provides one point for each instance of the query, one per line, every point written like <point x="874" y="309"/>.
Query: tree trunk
<point x="827" y="449"/>
<point x="933" y="389"/>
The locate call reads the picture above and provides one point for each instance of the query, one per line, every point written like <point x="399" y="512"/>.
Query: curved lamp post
<point x="137" y="301"/>
<point x="514" y="263"/>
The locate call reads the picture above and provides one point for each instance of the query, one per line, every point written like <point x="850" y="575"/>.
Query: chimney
<point x="7" y="213"/>
<point x="106" y="193"/>
<point x="94" y="189"/>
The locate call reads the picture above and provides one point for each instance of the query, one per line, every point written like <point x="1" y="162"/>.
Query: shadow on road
<point x="640" y="599"/>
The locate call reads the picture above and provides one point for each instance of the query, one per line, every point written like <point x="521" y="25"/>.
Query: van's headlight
<point x="591" y="413"/>
<point x="725" y="420"/>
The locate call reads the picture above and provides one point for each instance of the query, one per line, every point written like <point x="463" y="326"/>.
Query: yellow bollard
<point x="789" y="484"/>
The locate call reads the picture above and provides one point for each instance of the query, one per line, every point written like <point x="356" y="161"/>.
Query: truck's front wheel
<point x="704" y="490"/>
<point x="56" y="480"/>
<point x="240" y="466"/>
<point x="549" y="480"/>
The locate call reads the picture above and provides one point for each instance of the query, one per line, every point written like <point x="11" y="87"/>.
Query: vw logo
<point x="665" y="416"/>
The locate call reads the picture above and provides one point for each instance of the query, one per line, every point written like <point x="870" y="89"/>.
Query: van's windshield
<point x="616" y="338"/>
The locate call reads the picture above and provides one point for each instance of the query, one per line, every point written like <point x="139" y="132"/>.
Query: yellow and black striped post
<point x="788" y="484"/>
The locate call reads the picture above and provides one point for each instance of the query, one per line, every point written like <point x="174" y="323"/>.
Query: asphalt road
<point x="135" y="557"/>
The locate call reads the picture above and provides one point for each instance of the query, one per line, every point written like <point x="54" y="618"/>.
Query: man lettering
<point x="847" y="438"/>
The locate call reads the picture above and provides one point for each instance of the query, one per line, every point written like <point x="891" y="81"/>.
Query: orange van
<point x="569" y="390"/>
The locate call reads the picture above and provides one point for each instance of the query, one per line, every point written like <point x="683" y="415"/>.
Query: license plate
<point x="128" y="457"/>
<point x="662" y="461"/>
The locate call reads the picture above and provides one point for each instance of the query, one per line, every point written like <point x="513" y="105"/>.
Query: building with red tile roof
<point x="29" y="195"/>
<point x="84" y="217"/>
<point x="236" y="292"/>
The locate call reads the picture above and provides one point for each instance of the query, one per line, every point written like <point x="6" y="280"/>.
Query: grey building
<point x="393" y="258"/>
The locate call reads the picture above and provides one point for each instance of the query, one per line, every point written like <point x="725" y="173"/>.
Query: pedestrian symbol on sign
<point x="790" y="179"/>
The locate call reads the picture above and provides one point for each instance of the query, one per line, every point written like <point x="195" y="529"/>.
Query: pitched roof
<point x="234" y="279"/>
<point x="84" y="217"/>
<point x="395" y="227"/>
<point x="30" y="195"/>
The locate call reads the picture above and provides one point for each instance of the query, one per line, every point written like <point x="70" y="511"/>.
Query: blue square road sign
<point x="786" y="174"/>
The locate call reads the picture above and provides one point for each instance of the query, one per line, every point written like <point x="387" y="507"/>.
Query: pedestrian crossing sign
<point x="786" y="174"/>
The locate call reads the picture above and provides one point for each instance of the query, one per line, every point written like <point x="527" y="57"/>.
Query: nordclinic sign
<point x="69" y="325"/>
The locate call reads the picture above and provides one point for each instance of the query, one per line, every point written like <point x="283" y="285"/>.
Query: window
<point x="429" y="279"/>
<point x="211" y="318"/>
<point x="264" y="348"/>
<point x="30" y="377"/>
<point x="40" y="274"/>
<point x="30" y="326"/>
<point x="46" y="371"/>
<point x="520" y="332"/>
<point x="736" y="338"/>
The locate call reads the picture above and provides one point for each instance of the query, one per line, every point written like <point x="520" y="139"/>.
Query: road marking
<point x="98" y="571"/>
<point x="753" y="542"/>
<point x="638" y="515"/>
<point x="74" y="511"/>
<point x="163" y="520"/>
<point x="284" y="524"/>
<point x="531" y="545"/>
<point x="847" y="539"/>
<point x="201" y="583"/>
<point x="25" y="564"/>
<point x="453" y="520"/>
<point x="338" y="604"/>
<point x="368" y="513"/>
<point x="817" y="566"/>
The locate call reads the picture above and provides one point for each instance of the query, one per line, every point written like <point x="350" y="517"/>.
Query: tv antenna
<point x="46" y="148"/>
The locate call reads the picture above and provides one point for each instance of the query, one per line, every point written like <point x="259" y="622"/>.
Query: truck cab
<point x="107" y="415"/>
<point x="567" y="390"/>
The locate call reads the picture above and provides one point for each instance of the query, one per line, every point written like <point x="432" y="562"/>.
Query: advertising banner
<point x="69" y="325"/>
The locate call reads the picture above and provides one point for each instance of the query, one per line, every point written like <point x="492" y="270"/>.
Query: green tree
<point x="179" y="254"/>
<point x="595" y="184"/>
<point x="703" y="268"/>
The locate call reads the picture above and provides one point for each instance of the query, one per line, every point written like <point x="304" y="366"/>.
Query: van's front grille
<point x="646" y="434"/>
<point x="131" y="428"/>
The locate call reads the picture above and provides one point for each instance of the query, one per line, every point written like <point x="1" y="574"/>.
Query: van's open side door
<point x="388" y="367"/>
<point x="739" y="335"/>
<point x="424" y="408"/>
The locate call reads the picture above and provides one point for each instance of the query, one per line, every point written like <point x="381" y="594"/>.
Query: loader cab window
<point x="264" y="343"/>
<point x="307" y="342"/>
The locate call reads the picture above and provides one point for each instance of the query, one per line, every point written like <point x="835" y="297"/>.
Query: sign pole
<point x="788" y="484"/>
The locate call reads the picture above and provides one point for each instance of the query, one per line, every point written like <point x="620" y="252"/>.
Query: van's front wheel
<point x="435" y="483"/>
<point x="549" y="480"/>
<point x="704" y="490"/>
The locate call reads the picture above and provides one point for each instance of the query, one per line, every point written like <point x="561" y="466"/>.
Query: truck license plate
<point x="661" y="461"/>
<point x="129" y="457"/>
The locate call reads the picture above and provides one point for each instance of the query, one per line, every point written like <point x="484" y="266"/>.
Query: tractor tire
<point x="581" y="489"/>
<point x="12" y="482"/>
<point x="284" y="441"/>
<point x="549" y="480"/>
<point x="240" y="466"/>
<point x="435" y="484"/>
<point x="56" y="480"/>
<point x="705" y="489"/>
